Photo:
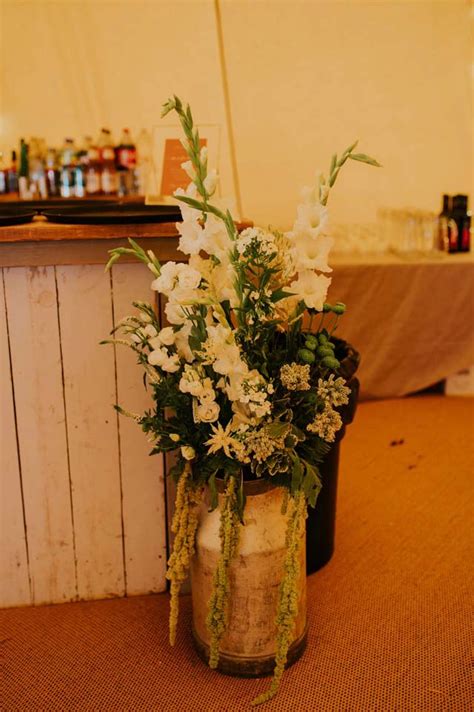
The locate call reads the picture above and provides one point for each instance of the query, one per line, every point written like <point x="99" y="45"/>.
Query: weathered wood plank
<point x="36" y="364"/>
<point x="14" y="581"/>
<point x="142" y="476"/>
<point x="85" y="309"/>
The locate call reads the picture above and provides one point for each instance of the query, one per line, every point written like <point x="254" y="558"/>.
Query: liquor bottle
<point x="67" y="160"/>
<point x="93" y="168"/>
<point x="24" y="172"/>
<point x="108" y="178"/>
<point x="443" y="224"/>
<point x="143" y="171"/>
<point x="3" y="176"/>
<point x="462" y="218"/>
<point x="37" y="168"/>
<point x="126" y="160"/>
<point x="80" y="169"/>
<point x="13" y="175"/>
<point x="52" y="172"/>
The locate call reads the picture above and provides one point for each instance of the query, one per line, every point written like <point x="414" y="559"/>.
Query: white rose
<point x="207" y="393"/>
<point x="188" y="277"/>
<point x="167" y="336"/>
<point x="182" y="342"/>
<point x="158" y="357"/>
<point x="174" y="313"/>
<point x="188" y="452"/>
<point x="167" y="279"/>
<point x="150" y="330"/>
<point x="171" y="364"/>
<point x="207" y="412"/>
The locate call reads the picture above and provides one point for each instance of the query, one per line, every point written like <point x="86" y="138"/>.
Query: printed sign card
<point x="168" y="154"/>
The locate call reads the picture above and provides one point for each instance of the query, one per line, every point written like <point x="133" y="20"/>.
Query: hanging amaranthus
<point x="184" y="525"/>
<point x="288" y="593"/>
<point x="219" y="602"/>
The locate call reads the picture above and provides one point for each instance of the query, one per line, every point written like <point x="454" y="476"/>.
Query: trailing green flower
<point x="216" y="620"/>
<point x="184" y="525"/>
<point x="288" y="593"/>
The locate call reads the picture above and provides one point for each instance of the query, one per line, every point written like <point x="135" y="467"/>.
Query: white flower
<point x="311" y="288"/>
<point x="188" y="277"/>
<point x="221" y="282"/>
<point x="311" y="217"/>
<point x="167" y="279"/>
<point x="326" y="424"/>
<point x="167" y="336"/>
<point x="223" y="439"/>
<point x="188" y="452"/>
<point x="207" y="412"/>
<point x="188" y="168"/>
<point x="175" y="314"/>
<point x="295" y="377"/>
<point x="190" y="381"/>
<point x="150" y="330"/>
<point x="171" y="364"/>
<point x="311" y="252"/>
<point x="158" y="357"/>
<point x="182" y="341"/>
<point x="216" y="240"/>
<point x="192" y="238"/>
<point x="208" y="393"/>
<point x="333" y="390"/>
<point x="210" y="181"/>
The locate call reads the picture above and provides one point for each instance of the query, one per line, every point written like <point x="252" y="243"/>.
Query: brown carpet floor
<point x="388" y="615"/>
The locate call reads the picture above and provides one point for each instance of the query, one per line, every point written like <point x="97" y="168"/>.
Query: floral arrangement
<point x="245" y="374"/>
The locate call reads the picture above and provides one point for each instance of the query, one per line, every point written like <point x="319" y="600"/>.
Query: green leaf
<point x="363" y="158"/>
<point x="311" y="483"/>
<point x="296" y="473"/>
<point x="280" y="294"/>
<point x="277" y="430"/>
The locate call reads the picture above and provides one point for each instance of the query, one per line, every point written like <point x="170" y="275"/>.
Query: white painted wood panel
<point x="142" y="476"/>
<point x="14" y="583"/>
<point x="85" y="309"/>
<point x="36" y="364"/>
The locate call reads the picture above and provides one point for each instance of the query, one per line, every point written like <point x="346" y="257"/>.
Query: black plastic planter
<point x="321" y="521"/>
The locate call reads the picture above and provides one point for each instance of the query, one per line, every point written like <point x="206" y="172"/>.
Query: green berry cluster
<point x="319" y="347"/>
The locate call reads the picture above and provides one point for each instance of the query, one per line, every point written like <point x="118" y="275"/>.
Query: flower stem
<point x="288" y="593"/>
<point x="184" y="525"/>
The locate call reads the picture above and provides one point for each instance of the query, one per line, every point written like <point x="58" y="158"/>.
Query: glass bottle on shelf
<point x="37" y="168"/>
<point x="24" y="172"/>
<point x="126" y="160"/>
<point x="13" y="174"/>
<point x="108" y="178"/>
<point x="67" y="159"/>
<point x="52" y="172"/>
<point x="93" y="168"/>
<point x="462" y="218"/>
<point x="3" y="176"/>
<point x="143" y="173"/>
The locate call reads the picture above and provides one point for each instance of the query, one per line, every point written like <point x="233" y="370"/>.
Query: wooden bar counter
<point x="42" y="243"/>
<point x="83" y="505"/>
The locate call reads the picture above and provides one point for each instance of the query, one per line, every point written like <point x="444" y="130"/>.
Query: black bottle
<point x="443" y="224"/>
<point x="462" y="218"/>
